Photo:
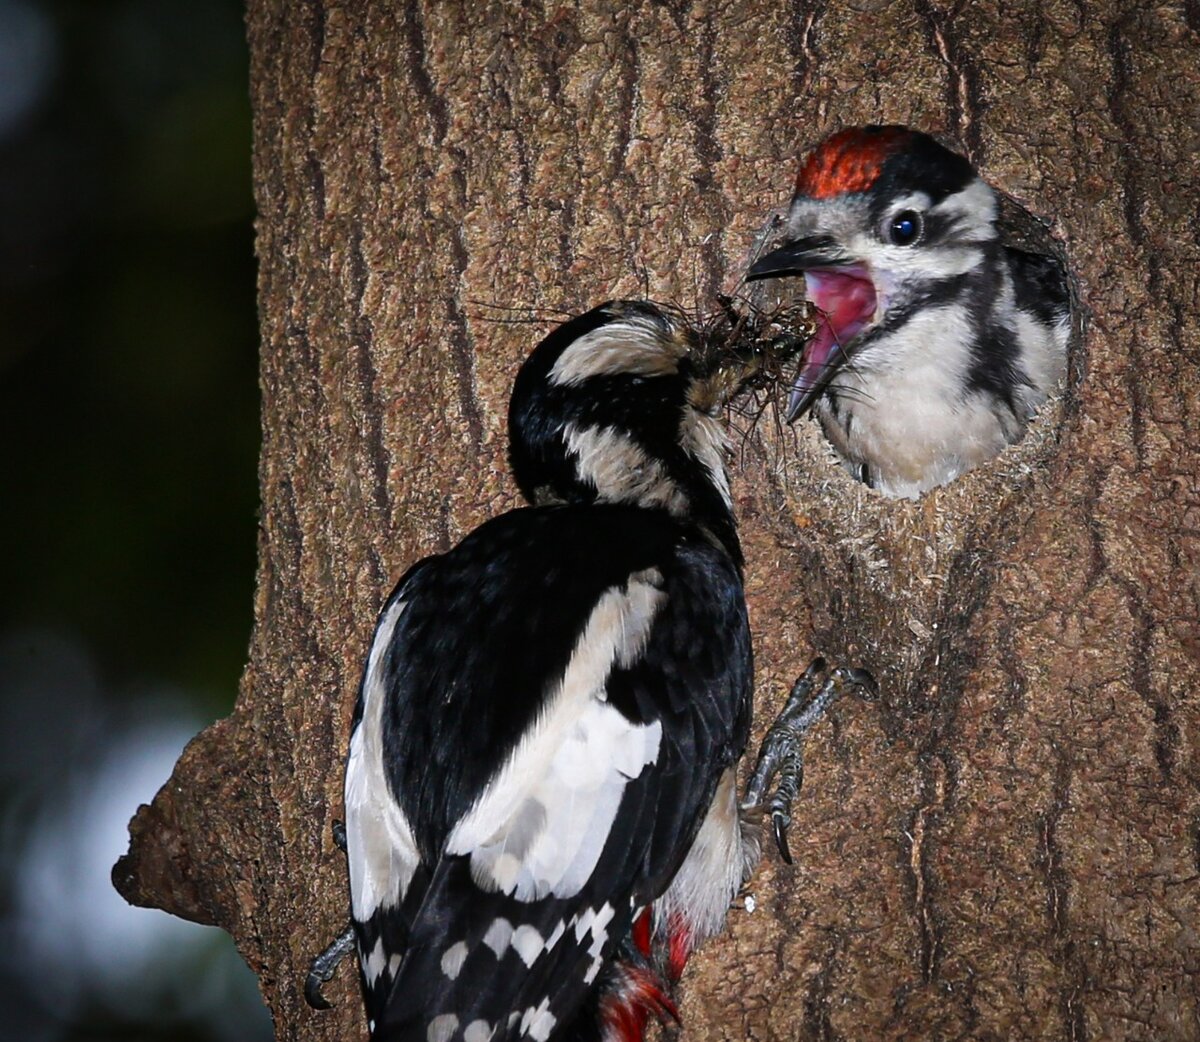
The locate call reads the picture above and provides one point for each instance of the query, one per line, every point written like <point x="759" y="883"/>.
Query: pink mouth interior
<point x="846" y="299"/>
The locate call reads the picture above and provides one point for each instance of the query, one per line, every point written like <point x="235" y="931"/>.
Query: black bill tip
<point x="795" y="258"/>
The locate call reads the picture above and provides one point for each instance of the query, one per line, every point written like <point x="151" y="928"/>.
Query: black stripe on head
<point x="534" y="438"/>
<point x="922" y="165"/>
<point x="918" y="297"/>
<point x="634" y="384"/>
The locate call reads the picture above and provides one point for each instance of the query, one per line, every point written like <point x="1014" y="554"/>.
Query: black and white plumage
<point x="541" y="812"/>
<point x="938" y="342"/>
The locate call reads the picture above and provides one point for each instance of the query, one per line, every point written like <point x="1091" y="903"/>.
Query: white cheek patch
<point x="540" y="827"/>
<point x="635" y="345"/>
<point x="379" y="842"/>
<point x="974" y="210"/>
<point x="842" y="217"/>
<point x="620" y="470"/>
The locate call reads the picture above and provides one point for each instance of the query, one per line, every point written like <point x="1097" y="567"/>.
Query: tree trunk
<point x="1007" y="844"/>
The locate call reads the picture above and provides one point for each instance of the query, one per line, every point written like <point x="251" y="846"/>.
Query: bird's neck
<point x="689" y="482"/>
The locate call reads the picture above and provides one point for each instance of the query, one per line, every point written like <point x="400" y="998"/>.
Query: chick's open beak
<point x="844" y="294"/>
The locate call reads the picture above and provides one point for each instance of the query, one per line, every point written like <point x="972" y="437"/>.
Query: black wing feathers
<point x="489" y="627"/>
<point x="1041" y="284"/>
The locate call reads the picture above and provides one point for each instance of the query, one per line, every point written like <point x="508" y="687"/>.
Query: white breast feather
<point x="711" y="874"/>
<point x="910" y="418"/>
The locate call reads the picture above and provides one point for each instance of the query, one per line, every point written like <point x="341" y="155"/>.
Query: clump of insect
<point x="748" y="347"/>
<point x="744" y="345"/>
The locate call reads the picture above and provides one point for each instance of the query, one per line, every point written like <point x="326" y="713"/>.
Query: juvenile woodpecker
<point x="541" y="811"/>
<point x="938" y="342"/>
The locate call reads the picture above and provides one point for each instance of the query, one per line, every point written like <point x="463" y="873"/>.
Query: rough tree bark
<point x="1007" y="845"/>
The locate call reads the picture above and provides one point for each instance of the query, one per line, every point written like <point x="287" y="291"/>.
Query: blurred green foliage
<point x="128" y="387"/>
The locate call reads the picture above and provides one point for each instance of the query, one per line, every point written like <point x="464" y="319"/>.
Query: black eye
<point x="905" y="228"/>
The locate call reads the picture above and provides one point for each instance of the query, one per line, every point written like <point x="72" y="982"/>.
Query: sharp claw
<point x="323" y="966"/>
<point x="312" y="993"/>
<point x="863" y="679"/>
<point x="782" y="750"/>
<point x="781" y="824"/>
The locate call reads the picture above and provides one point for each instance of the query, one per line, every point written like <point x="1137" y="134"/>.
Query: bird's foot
<point x="782" y="751"/>
<point x="325" y="965"/>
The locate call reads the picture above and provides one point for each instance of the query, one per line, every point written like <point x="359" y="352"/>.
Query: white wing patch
<point x="441" y="1029"/>
<point x="453" y="959"/>
<point x="477" y="1031"/>
<point x="540" y="826"/>
<point x="528" y="943"/>
<point x="374" y="963"/>
<point x="595" y="922"/>
<point x="537" y="1021"/>
<point x="498" y="936"/>
<point x="379" y="841"/>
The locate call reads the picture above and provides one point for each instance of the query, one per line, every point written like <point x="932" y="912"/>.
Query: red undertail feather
<point x="641" y="932"/>
<point x="625" y="1011"/>
<point x="848" y="161"/>
<point x="679" y="948"/>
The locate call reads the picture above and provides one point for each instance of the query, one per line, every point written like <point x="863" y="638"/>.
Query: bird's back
<point x="552" y="733"/>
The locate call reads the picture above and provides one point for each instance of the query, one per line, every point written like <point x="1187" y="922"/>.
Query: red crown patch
<point x="848" y="161"/>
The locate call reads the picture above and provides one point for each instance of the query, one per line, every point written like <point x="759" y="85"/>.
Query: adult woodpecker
<point x="541" y="810"/>
<point x="939" y="342"/>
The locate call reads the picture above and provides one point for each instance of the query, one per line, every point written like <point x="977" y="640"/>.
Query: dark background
<point x="128" y="446"/>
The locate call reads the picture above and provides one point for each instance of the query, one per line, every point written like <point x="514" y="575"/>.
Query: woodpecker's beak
<point x="795" y="258"/>
<point x="844" y="294"/>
